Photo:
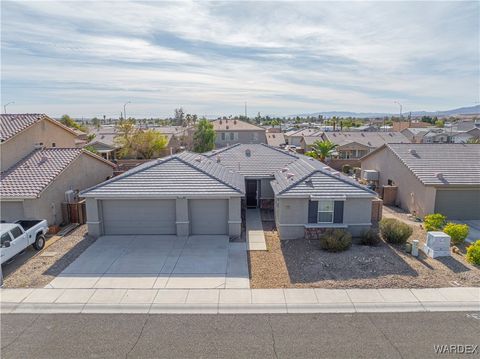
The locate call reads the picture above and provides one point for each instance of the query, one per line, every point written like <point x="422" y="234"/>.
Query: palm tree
<point x="321" y="149"/>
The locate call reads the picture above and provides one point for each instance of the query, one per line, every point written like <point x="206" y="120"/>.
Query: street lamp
<point x="124" y="111"/>
<point x="399" y="104"/>
<point x="5" y="106"/>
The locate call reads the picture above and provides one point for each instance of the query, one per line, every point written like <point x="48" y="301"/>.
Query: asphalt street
<point x="385" y="335"/>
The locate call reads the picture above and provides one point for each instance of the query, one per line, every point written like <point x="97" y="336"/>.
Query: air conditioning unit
<point x="370" y="175"/>
<point x="71" y="196"/>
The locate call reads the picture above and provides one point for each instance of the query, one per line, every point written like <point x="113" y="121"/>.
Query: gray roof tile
<point x="307" y="177"/>
<point x="458" y="164"/>
<point x="182" y="174"/>
<point x="263" y="160"/>
<point x="369" y="139"/>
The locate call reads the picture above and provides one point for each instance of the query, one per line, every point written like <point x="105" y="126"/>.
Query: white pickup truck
<point x="15" y="237"/>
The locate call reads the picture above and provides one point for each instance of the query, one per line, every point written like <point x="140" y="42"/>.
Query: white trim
<point x="182" y="222"/>
<point x="234" y="222"/>
<point x="93" y="222"/>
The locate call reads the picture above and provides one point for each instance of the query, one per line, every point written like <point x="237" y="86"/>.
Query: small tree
<point x="457" y="232"/>
<point x="204" y="136"/>
<point x="126" y="131"/>
<point x="322" y="149"/>
<point x="70" y="122"/>
<point x="434" y="222"/>
<point x="148" y="143"/>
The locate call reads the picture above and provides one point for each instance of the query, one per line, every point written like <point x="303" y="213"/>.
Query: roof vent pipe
<point x="439" y="175"/>
<point x="218" y="159"/>
<point x="248" y="153"/>
<point x="290" y="175"/>
<point x="198" y="159"/>
<point x="412" y="151"/>
<point x="284" y="169"/>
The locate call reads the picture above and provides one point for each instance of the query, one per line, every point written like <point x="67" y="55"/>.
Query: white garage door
<point x="139" y="216"/>
<point x="208" y="216"/>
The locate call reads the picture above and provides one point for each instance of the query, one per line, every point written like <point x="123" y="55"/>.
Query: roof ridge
<point x="220" y="150"/>
<point x="209" y="174"/>
<point x="129" y="173"/>
<point x="280" y="150"/>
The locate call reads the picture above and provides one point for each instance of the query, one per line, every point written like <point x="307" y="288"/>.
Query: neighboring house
<point x="231" y="132"/>
<point x="399" y="126"/>
<point x="415" y="135"/>
<point x="20" y="134"/>
<point x="442" y="178"/>
<point x="275" y="139"/>
<point x="184" y="194"/>
<point x="104" y="143"/>
<point x="355" y="145"/>
<point x="188" y="194"/>
<point x="465" y="136"/>
<point x="365" y="128"/>
<point x="294" y="137"/>
<point x="289" y="183"/>
<point x="436" y="136"/>
<point x="307" y="142"/>
<point x="34" y="188"/>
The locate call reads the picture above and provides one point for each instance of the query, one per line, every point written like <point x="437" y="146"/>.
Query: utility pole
<point x="5" y="106"/>
<point x="399" y="104"/>
<point x="124" y="109"/>
<point x="246" y="110"/>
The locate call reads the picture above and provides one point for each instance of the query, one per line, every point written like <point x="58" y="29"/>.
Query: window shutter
<point x="338" y="212"/>
<point x="312" y="212"/>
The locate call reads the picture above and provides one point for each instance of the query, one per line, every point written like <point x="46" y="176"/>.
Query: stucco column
<point x="234" y="217"/>
<point x="94" y="220"/>
<point x="430" y="194"/>
<point x="182" y="220"/>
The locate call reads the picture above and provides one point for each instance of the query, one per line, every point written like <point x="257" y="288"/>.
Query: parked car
<point x="15" y="237"/>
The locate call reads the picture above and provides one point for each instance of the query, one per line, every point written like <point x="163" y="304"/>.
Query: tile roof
<point x="310" y="140"/>
<point x="30" y="176"/>
<point x="275" y="139"/>
<point x="12" y="124"/>
<point x="441" y="164"/>
<point x="307" y="177"/>
<point x="262" y="161"/>
<point x="369" y="139"/>
<point x="304" y="132"/>
<point x="184" y="174"/>
<point x="235" y="125"/>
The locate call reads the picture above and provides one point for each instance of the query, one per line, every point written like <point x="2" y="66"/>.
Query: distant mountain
<point x="457" y="111"/>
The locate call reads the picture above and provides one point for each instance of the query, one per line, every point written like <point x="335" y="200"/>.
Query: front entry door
<point x="252" y="193"/>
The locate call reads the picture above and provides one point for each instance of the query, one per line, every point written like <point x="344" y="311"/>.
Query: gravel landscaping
<point x="34" y="269"/>
<point x="300" y="263"/>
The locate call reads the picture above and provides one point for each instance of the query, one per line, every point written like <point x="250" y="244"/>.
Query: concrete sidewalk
<point x="254" y="228"/>
<point x="218" y="301"/>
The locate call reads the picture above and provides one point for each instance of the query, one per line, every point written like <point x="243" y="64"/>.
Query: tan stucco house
<point x="231" y="131"/>
<point x="34" y="188"/>
<point x="20" y="134"/>
<point x="430" y="178"/>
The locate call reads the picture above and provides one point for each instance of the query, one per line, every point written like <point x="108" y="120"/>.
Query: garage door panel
<point x="208" y="216"/>
<point x="139" y="216"/>
<point x="458" y="204"/>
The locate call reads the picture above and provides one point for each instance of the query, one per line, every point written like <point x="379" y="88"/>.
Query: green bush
<point x="434" y="222"/>
<point x="335" y="240"/>
<point x="458" y="232"/>
<point x="346" y="169"/>
<point x="370" y="237"/>
<point x="473" y="253"/>
<point x="394" y="231"/>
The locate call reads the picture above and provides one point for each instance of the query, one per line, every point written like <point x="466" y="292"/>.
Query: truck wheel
<point x="39" y="242"/>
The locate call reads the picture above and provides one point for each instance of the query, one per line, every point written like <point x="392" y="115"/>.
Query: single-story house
<point x="294" y="137"/>
<point x="288" y="182"/>
<point x="34" y="188"/>
<point x="430" y="178"/>
<point x="20" y="134"/>
<point x="355" y="145"/>
<point x="184" y="194"/>
<point x="189" y="193"/>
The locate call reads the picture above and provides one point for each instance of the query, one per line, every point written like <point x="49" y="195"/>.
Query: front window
<point x="232" y="136"/>
<point x="223" y="136"/>
<point x="325" y="212"/>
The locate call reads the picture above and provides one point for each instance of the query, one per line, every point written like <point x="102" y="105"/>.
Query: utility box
<point x="437" y="245"/>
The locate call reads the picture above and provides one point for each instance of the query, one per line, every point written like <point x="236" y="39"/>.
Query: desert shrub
<point x="458" y="232"/>
<point x="370" y="237"/>
<point x="434" y="222"/>
<point x="335" y="240"/>
<point x="473" y="253"/>
<point x="346" y="169"/>
<point x="394" y="231"/>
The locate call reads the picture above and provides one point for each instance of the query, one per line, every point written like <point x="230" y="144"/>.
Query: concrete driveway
<point x="158" y="262"/>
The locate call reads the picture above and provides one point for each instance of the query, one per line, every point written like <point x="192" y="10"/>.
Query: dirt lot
<point x="37" y="269"/>
<point x="300" y="263"/>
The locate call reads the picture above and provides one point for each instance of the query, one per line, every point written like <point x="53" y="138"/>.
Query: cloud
<point x="88" y="58"/>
